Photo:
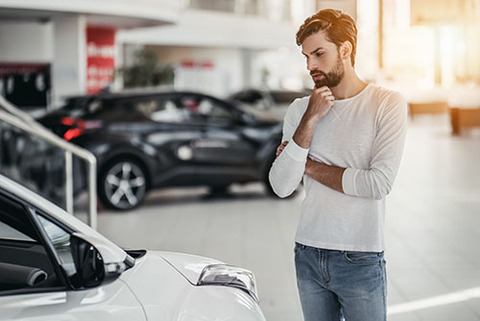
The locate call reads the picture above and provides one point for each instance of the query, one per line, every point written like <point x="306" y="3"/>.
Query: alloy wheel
<point x="124" y="185"/>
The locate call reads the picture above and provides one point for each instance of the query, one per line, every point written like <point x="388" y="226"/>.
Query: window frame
<point x="43" y="240"/>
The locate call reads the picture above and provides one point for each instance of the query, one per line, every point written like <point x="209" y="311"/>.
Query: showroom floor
<point x="432" y="230"/>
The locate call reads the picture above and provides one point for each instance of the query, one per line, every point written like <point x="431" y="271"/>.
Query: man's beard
<point x="332" y="78"/>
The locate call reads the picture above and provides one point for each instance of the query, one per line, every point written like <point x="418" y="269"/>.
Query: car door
<point x="222" y="143"/>
<point x="35" y="264"/>
<point x="193" y="132"/>
<point x="172" y="126"/>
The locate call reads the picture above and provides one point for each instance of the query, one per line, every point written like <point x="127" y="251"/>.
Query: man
<point x="345" y="141"/>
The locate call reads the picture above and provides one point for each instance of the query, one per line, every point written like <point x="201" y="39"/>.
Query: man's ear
<point x="346" y="50"/>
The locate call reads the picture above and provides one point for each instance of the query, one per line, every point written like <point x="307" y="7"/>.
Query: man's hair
<point x="338" y="26"/>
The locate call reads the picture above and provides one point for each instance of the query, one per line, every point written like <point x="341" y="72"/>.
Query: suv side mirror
<point x="89" y="265"/>
<point x="246" y="118"/>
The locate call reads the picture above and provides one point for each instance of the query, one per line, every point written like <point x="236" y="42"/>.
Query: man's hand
<point x="320" y="103"/>
<point x="281" y="147"/>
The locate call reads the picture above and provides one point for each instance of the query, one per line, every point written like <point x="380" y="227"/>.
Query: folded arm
<point x="288" y="169"/>
<point x="375" y="182"/>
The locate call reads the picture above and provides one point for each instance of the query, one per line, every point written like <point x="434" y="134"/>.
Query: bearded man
<point x="345" y="141"/>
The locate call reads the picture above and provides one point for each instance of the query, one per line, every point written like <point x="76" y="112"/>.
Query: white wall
<point x="227" y="74"/>
<point x="286" y="69"/>
<point x="23" y="42"/>
<point x="69" y="66"/>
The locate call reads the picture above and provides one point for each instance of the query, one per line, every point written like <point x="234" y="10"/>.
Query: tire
<point x="122" y="185"/>
<point x="219" y="190"/>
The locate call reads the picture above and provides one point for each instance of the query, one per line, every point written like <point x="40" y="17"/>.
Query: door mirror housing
<point x="89" y="265"/>
<point x="246" y="118"/>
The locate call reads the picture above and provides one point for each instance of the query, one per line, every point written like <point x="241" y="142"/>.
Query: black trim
<point x="43" y="241"/>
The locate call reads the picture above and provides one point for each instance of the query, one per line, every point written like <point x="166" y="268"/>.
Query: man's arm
<point x="319" y="104"/>
<point x="288" y="169"/>
<point x="376" y="181"/>
<point x="328" y="175"/>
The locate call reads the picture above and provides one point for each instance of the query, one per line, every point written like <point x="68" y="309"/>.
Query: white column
<point x="247" y="56"/>
<point x="69" y="66"/>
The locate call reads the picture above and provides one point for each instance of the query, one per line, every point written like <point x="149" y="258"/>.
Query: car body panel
<point x="114" y="301"/>
<point x="190" y="266"/>
<point x="185" y="301"/>
<point x="157" y="286"/>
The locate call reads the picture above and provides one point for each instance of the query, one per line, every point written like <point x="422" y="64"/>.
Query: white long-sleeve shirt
<point x="364" y="134"/>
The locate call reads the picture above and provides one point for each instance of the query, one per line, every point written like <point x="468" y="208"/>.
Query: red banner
<point x="100" y="58"/>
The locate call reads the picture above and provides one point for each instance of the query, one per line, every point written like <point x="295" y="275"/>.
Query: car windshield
<point x="77" y="103"/>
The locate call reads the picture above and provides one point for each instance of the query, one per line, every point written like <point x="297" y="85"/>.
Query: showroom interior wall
<point x="69" y="67"/>
<point x="26" y="41"/>
<point x="222" y="51"/>
<point x="244" y="50"/>
<point x="50" y="37"/>
<point x="26" y="47"/>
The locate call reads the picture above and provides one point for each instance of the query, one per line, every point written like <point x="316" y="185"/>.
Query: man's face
<point x="323" y="60"/>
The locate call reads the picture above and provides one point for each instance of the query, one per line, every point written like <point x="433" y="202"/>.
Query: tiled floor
<point x="432" y="230"/>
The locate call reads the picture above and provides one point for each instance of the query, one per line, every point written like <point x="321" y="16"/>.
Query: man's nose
<point x="312" y="65"/>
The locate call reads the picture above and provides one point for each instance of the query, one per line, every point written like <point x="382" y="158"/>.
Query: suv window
<point x="189" y="109"/>
<point x="161" y="110"/>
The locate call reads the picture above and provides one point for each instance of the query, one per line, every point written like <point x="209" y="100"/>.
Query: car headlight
<point x="228" y="275"/>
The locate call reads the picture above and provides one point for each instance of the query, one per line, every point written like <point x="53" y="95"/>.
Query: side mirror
<point x="247" y="118"/>
<point x="89" y="265"/>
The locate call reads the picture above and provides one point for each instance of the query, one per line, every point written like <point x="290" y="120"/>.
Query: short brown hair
<point x="339" y="27"/>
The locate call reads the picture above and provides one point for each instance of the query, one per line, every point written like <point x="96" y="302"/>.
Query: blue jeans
<point x="341" y="284"/>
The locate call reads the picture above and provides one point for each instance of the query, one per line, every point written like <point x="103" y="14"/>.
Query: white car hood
<point x="190" y="266"/>
<point x="165" y="285"/>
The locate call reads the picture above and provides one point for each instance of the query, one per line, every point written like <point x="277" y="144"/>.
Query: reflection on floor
<point x="432" y="230"/>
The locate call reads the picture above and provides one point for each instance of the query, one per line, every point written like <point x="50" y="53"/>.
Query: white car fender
<point x="169" y="292"/>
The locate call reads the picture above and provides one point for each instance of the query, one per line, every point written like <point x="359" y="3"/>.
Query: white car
<point x="54" y="267"/>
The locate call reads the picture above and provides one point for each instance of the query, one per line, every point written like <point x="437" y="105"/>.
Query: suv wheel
<point x="122" y="185"/>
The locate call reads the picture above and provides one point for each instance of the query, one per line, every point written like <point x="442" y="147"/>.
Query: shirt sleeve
<point x="287" y="170"/>
<point x="377" y="181"/>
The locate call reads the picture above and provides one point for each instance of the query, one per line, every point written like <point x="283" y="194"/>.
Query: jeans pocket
<point x="363" y="257"/>
<point x="298" y="248"/>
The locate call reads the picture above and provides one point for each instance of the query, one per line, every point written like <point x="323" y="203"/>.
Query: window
<point x="161" y="110"/>
<point x="205" y="110"/>
<point x="24" y="261"/>
<point x="60" y="240"/>
<point x="185" y="109"/>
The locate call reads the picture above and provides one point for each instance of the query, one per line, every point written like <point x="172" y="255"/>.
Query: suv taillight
<point x="78" y="126"/>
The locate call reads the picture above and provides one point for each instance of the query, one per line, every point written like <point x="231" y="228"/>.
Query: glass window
<point x="24" y="262"/>
<point x="206" y="110"/>
<point x="162" y="110"/>
<point x="187" y="109"/>
<point x="61" y="242"/>
<point x="9" y="233"/>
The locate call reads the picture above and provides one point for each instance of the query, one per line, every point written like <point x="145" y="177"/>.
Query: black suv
<point x="150" y="140"/>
